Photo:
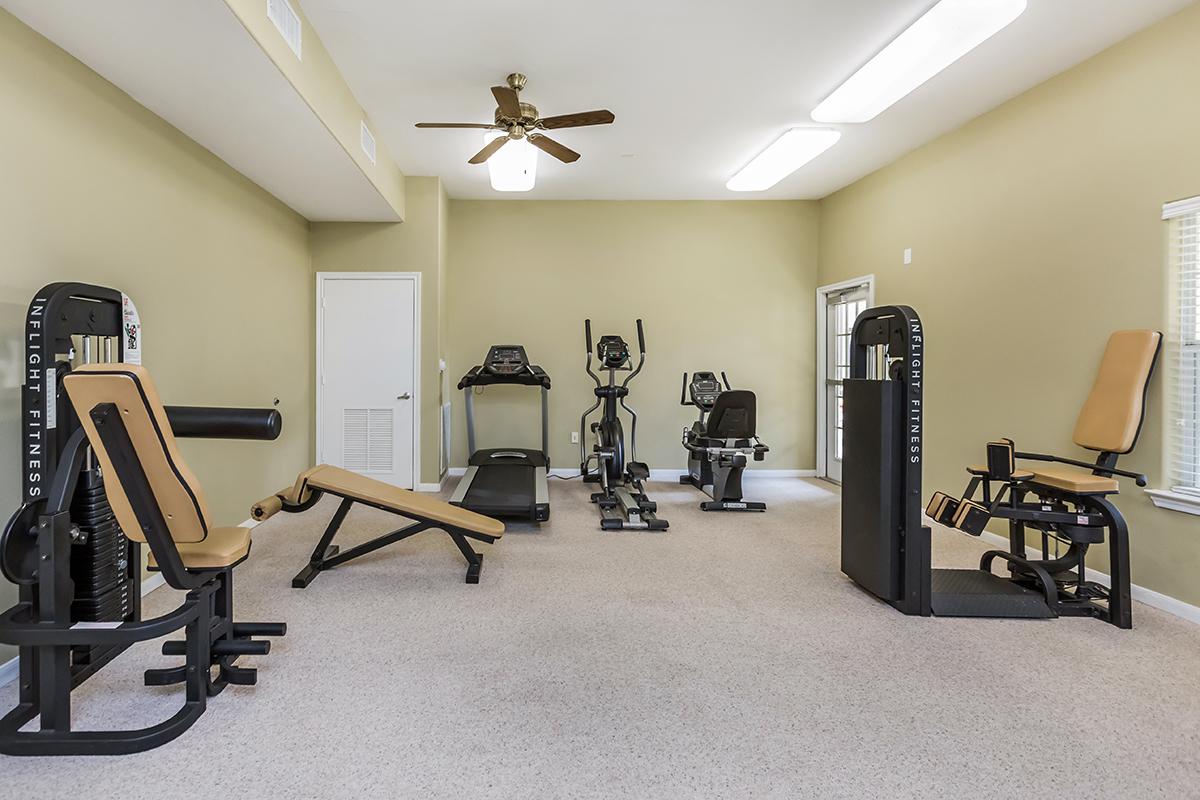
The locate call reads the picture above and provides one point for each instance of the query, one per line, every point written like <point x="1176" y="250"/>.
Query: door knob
<point x="405" y="396"/>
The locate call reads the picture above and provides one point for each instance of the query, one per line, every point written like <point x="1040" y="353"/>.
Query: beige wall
<point x="1035" y="232"/>
<point x="415" y="245"/>
<point x="720" y="285"/>
<point x="97" y="189"/>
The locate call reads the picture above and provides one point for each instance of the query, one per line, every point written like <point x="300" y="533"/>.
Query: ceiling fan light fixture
<point x="946" y="33"/>
<point x="785" y="155"/>
<point x="512" y="168"/>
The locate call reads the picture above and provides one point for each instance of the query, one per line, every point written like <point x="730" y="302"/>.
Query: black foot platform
<point x="975" y="593"/>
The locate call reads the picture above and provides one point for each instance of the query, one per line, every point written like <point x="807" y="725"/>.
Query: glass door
<point x="841" y="309"/>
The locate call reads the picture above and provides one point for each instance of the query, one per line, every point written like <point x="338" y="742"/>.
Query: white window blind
<point x="1183" y="346"/>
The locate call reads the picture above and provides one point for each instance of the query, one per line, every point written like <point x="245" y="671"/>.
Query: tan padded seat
<point x="1017" y="475"/>
<point x="224" y="547"/>
<point x="368" y="490"/>
<point x="1071" y="479"/>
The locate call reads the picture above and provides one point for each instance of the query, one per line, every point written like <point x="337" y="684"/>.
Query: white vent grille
<point x="287" y="21"/>
<point x="367" y="439"/>
<point x="367" y="141"/>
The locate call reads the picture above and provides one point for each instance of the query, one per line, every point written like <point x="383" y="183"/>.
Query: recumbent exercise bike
<point x="721" y="441"/>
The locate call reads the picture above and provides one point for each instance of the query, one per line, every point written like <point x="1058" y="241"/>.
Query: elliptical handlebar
<point x="683" y="401"/>
<point x="587" y="336"/>
<point x="641" y="355"/>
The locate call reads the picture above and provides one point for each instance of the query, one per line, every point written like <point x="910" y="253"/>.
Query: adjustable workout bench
<point x="1067" y="503"/>
<point x="425" y="512"/>
<point x="156" y="500"/>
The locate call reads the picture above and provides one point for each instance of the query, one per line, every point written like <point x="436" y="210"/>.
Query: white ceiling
<point x="698" y="87"/>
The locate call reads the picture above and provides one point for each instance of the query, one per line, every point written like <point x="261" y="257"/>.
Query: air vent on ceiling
<point x="367" y="141"/>
<point x="287" y="21"/>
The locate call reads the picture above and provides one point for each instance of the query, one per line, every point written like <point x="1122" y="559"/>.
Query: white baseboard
<point x="657" y="474"/>
<point x="10" y="669"/>
<point x="429" y="487"/>
<point x="151" y="583"/>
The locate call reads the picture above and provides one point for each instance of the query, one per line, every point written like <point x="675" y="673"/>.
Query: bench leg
<point x="474" y="560"/>
<point x="323" y="550"/>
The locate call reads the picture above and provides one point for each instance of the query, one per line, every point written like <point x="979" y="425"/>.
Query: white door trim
<point x="823" y="293"/>
<point x="415" y="277"/>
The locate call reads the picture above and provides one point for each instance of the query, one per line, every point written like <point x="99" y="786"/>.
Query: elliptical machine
<point x="721" y="441"/>
<point x="623" y="503"/>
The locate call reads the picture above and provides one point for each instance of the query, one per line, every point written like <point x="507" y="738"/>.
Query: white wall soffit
<point x="193" y="63"/>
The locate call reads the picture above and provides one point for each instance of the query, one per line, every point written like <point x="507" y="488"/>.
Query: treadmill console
<point x="506" y="359"/>
<point x="505" y="363"/>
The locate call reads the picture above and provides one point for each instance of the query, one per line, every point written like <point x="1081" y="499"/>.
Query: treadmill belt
<point x="501" y="488"/>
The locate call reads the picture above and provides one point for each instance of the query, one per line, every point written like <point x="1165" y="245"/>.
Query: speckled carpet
<point x="726" y="658"/>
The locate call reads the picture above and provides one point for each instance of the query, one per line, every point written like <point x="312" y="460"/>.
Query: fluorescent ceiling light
<point x="784" y="156"/>
<point x="512" y="168"/>
<point x="946" y="33"/>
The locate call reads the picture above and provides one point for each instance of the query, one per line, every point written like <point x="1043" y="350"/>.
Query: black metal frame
<point x="897" y="498"/>
<point x="327" y="555"/>
<point x="1077" y="519"/>
<point x="41" y="625"/>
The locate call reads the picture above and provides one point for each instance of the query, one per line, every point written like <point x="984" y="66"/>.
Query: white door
<point x="841" y="309"/>
<point x="367" y="375"/>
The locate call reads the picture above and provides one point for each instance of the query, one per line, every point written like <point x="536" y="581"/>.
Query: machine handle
<point x="727" y="386"/>
<point x="263" y="424"/>
<point x="1138" y="478"/>
<point x="641" y="339"/>
<point x="683" y="392"/>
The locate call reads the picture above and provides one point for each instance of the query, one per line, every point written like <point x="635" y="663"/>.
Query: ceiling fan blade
<point x="600" y="117"/>
<point x="480" y="125"/>
<point x="559" y="151"/>
<point x="488" y="150"/>
<point x="506" y="98"/>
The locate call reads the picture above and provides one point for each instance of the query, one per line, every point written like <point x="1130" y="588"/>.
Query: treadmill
<point x="509" y="481"/>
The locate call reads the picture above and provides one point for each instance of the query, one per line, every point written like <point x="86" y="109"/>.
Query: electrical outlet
<point x="574" y="437"/>
<point x="908" y="255"/>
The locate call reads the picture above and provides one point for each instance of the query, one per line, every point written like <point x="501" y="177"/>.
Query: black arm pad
<point x="196" y="422"/>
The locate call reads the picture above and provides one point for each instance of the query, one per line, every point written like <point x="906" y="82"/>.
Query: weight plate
<point x="19" y="545"/>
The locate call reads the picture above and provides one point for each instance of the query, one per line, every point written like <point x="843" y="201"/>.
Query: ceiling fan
<point x="521" y="121"/>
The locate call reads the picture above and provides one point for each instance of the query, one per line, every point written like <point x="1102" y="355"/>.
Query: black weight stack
<point x="100" y="562"/>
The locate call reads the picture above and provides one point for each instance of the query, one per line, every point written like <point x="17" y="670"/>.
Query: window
<point x="1182" y="359"/>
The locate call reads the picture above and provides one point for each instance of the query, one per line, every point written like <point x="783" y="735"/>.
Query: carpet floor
<point x="726" y="658"/>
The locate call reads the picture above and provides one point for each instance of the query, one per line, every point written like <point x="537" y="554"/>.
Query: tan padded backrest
<point x="179" y="496"/>
<point x="1112" y="416"/>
